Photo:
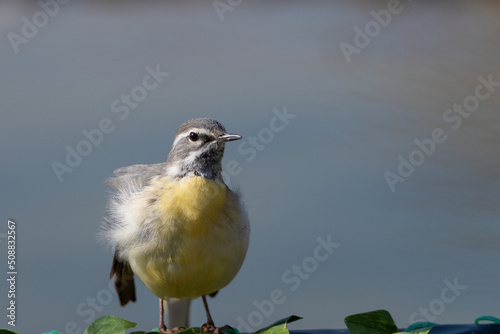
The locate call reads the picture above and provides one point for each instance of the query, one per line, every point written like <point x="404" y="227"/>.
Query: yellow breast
<point x="200" y="239"/>
<point x="196" y="201"/>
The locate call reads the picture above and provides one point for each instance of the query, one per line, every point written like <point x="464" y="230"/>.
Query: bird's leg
<point x="162" y="328"/>
<point x="209" y="326"/>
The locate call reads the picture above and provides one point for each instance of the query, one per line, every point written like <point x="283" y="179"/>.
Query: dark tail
<point x="124" y="280"/>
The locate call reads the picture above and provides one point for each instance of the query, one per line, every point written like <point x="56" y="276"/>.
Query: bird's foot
<point x="170" y="331"/>
<point x="216" y="330"/>
<point x="208" y="327"/>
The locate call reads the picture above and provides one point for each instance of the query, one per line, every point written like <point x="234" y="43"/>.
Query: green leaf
<point x="424" y="330"/>
<point x="279" y="327"/>
<point x="109" y="324"/>
<point x="376" y="322"/>
<point x="153" y="331"/>
<point x="6" y="331"/>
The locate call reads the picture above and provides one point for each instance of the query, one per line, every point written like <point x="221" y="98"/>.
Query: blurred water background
<point x="424" y="249"/>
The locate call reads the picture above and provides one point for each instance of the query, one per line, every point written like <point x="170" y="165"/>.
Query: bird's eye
<point x="193" y="136"/>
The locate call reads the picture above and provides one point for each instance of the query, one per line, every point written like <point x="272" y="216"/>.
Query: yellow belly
<point x="200" y="239"/>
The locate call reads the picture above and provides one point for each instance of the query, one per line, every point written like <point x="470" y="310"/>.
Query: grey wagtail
<point x="176" y="225"/>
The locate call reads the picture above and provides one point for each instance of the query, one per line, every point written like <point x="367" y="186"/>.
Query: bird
<point x="176" y="225"/>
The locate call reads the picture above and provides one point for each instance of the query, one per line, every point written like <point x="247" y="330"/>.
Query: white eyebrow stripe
<point x="185" y="133"/>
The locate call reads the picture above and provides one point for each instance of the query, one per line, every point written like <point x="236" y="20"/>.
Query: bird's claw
<point x="216" y="330"/>
<point x="171" y="331"/>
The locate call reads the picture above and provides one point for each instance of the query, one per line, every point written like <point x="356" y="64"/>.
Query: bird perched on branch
<point x="176" y="225"/>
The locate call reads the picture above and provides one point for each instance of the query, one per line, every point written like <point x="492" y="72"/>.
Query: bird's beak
<point x="228" y="137"/>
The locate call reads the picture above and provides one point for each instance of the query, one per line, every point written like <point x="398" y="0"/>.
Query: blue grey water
<point x="369" y="165"/>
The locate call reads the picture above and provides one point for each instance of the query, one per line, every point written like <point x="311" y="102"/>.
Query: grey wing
<point x="136" y="175"/>
<point x="128" y="180"/>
